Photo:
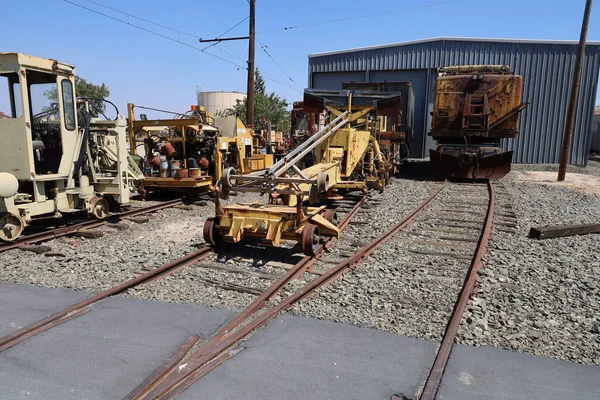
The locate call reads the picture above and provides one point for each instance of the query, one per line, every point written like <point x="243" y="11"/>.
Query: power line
<point x="282" y="59"/>
<point x="276" y="63"/>
<point x="224" y="33"/>
<point x="141" y="19"/>
<point x="301" y="16"/>
<point x="287" y="28"/>
<point x="270" y="77"/>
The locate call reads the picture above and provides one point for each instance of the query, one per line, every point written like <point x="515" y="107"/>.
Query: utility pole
<point x="251" y="39"/>
<point x="564" y="156"/>
<point x="250" y="91"/>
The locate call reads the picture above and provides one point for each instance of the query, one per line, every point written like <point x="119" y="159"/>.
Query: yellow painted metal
<point x="337" y="158"/>
<point x="131" y="132"/>
<point x="271" y="223"/>
<point x="352" y="144"/>
<point x="330" y="169"/>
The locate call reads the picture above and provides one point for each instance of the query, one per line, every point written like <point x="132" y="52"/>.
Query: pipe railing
<point x="308" y="145"/>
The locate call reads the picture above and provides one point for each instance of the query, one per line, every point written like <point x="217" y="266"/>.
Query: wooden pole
<point x="564" y="156"/>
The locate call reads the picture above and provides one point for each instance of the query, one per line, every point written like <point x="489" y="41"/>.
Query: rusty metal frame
<point x="441" y="360"/>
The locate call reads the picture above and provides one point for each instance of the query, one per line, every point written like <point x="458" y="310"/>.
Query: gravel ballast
<point x="126" y="250"/>
<point x="540" y="296"/>
<point x="394" y="289"/>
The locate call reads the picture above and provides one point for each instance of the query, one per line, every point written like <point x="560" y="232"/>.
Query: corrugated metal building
<point x="546" y="67"/>
<point x="595" y="147"/>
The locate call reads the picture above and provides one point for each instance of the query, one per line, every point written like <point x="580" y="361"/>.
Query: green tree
<point x="269" y="106"/>
<point x="87" y="89"/>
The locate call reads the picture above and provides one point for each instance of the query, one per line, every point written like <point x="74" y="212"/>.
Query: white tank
<point x="214" y="102"/>
<point x="9" y="185"/>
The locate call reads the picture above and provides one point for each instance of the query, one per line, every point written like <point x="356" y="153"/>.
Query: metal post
<point x="564" y="156"/>
<point x="250" y="93"/>
<point x="269" y="138"/>
<point x="130" y="117"/>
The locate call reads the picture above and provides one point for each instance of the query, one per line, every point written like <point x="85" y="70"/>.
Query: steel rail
<point x="441" y="360"/>
<point x="186" y="374"/>
<point x="79" y="307"/>
<point x="257" y="304"/>
<point x="67" y="230"/>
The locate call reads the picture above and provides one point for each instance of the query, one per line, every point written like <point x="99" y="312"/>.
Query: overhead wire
<point x="270" y="77"/>
<point x="224" y="33"/>
<point x="287" y="28"/>
<point x="142" y="19"/>
<point x="276" y="63"/>
<point x="298" y="14"/>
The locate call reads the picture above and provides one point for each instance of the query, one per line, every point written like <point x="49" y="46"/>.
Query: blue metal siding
<point x="546" y="69"/>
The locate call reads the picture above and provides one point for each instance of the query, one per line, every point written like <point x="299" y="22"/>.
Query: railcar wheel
<point x="211" y="234"/>
<point x="313" y="195"/>
<point x="11" y="226"/>
<point x="98" y="207"/>
<point x="310" y="239"/>
<point x="330" y="216"/>
<point x="322" y="182"/>
<point x="226" y="178"/>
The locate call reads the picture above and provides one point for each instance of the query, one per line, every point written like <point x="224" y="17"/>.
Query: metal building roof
<point x="453" y="38"/>
<point x="546" y="67"/>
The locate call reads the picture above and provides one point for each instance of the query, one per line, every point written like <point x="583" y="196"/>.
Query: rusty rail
<point x="66" y="230"/>
<point x="257" y="304"/>
<point x="79" y="308"/>
<point x="197" y="364"/>
<point x="441" y="360"/>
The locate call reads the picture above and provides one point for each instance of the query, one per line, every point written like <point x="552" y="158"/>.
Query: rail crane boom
<point x="347" y="158"/>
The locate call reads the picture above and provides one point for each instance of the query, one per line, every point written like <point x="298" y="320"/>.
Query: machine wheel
<point x="322" y="182"/>
<point x="98" y="207"/>
<point x="330" y="216"/>
<point x="211" y="234"/>
<point x="310" y="239"/>
<point x="226" y="179"/>
<point x="313" y="195"/>
<point x="11" y="226"/>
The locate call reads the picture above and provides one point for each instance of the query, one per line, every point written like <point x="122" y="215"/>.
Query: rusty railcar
<point x="475" y="106"/>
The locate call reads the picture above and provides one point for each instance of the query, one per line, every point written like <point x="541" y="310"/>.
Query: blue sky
<point x="149" y="70"/>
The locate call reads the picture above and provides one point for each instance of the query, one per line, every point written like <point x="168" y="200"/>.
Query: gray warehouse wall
<point x="546" y="68"/>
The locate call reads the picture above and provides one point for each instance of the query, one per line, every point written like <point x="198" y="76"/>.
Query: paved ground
<point x="475" y="373"/>
<point x="111" y="349"/>
<point x="304" y="358"/>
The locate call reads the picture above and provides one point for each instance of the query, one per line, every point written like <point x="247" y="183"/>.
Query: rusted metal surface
<point x="59" y="317"/>
<point x="164" y="369"/>
<point x="474" y="99"/>
<point x="67" y="230"/>
<point x="437" y="370"/>
<point x="467" y="166"/>
<point x="185" y="375"/>
<point x="474" y="107"/>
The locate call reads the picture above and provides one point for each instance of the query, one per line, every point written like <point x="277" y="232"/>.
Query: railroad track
<point x="203" y="252"/>
<point x="186" y="367"/>
<point x="451" y="229"/>
<point x="70" y="229"/>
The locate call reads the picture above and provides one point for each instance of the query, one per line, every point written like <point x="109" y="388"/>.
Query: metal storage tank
<point x="546" y="67"/>
<point x="219" y="101"/>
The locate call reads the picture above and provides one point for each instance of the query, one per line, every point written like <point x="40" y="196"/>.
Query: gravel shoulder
<point x="540" y="296"/>
<point x="126" y="250"/>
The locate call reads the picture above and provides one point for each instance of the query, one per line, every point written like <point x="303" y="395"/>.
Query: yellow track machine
<point x="348" y="158"/>
<point x="187" y="153"/>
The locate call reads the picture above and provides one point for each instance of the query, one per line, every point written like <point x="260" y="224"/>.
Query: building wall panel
<point x="546" y="68"/>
